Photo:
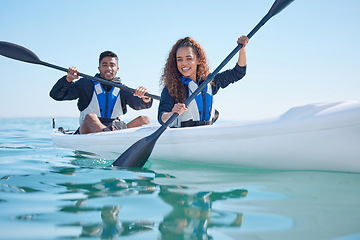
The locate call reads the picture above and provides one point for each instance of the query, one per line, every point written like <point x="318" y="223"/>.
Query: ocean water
<point x="54" y="193"/>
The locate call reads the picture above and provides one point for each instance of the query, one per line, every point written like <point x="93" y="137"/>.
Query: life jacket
<point x="200" y="110"/>
<point x="104" y="104"/>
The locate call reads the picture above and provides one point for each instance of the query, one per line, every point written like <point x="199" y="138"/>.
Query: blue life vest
<point x="204" y="100"/>
<point x="106" y="100"/>
<point x="200" y="110"/>
<point x="104" y="104"/>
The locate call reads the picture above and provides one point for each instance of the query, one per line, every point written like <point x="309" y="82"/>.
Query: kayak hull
<point x="312" y="137"/>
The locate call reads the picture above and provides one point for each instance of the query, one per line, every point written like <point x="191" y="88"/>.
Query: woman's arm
<point x="179" y="108"/>
<point x="167" y="107"/>
<point x="242" y="53"/>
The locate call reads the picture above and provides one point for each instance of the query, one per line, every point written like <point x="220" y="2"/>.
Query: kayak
<point x="320" y="136"/>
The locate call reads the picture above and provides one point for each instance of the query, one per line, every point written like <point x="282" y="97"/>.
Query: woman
<point x="184" y="71"/>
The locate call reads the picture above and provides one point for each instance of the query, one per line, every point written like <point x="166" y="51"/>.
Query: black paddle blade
<point x="278" y="6"/>
<point x="137" y="154"/>
<point x="17" y="52"/>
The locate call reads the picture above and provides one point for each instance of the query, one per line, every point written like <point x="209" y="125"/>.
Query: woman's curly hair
<point x="171" y="75"/>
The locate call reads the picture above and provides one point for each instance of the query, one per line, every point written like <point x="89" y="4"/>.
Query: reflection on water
<point x="111" y="227"/>
<point x="190" y="217"/>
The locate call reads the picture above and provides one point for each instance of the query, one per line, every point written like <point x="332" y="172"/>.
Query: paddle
<point x="20" y="53"/>
<point x="137" y="154"/>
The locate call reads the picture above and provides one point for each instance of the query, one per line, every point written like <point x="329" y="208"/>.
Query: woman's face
<point x="187" y="62"/>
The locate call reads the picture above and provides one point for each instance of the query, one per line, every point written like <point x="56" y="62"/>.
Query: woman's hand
<point x="243" y="40"/>
<point x="178" y="108"/>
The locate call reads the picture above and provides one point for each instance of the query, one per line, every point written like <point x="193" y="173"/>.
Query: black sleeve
<point x="223" y="79"/>
<point x="166" y="103"/>
<point x="82" y="90"/>
<point x="64" y="90"/>
<point x="136" y="103"/>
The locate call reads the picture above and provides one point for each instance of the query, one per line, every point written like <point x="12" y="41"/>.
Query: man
<point x="101" y="106"/>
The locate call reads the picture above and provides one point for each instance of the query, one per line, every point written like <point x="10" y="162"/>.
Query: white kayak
<point x="324" y="136"/>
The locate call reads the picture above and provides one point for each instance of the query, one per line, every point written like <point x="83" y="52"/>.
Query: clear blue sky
<point x="308" y="53"/>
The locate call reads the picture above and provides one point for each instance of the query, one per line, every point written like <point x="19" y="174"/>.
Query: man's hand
<point x="140" y="92"/>
<point x="72" y="74"/>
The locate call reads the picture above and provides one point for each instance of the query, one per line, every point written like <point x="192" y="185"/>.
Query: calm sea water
<point x="52" y="193"/>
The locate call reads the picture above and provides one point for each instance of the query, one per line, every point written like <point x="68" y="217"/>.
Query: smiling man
<point x="101" y="106"/>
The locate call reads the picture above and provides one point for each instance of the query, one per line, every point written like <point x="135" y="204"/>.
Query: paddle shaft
<point x="114" y="84"/>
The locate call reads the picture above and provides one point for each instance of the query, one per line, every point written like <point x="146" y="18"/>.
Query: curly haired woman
<point x="184" y="71"/>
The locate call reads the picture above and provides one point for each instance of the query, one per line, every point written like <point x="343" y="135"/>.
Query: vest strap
<point x="192" y="123"/>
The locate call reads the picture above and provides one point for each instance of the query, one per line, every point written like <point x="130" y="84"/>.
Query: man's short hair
<point x="107" y="54"/>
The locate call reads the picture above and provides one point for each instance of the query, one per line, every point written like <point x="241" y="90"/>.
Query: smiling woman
<point x="186" y="68"/>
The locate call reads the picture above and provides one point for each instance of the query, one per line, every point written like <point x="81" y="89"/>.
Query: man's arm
<point x="136" y="103"/>
<point x="62" y="88"/>
<point x="60" y="91"/>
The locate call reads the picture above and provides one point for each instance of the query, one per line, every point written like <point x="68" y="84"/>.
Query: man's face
<point x="108" y="68"/>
